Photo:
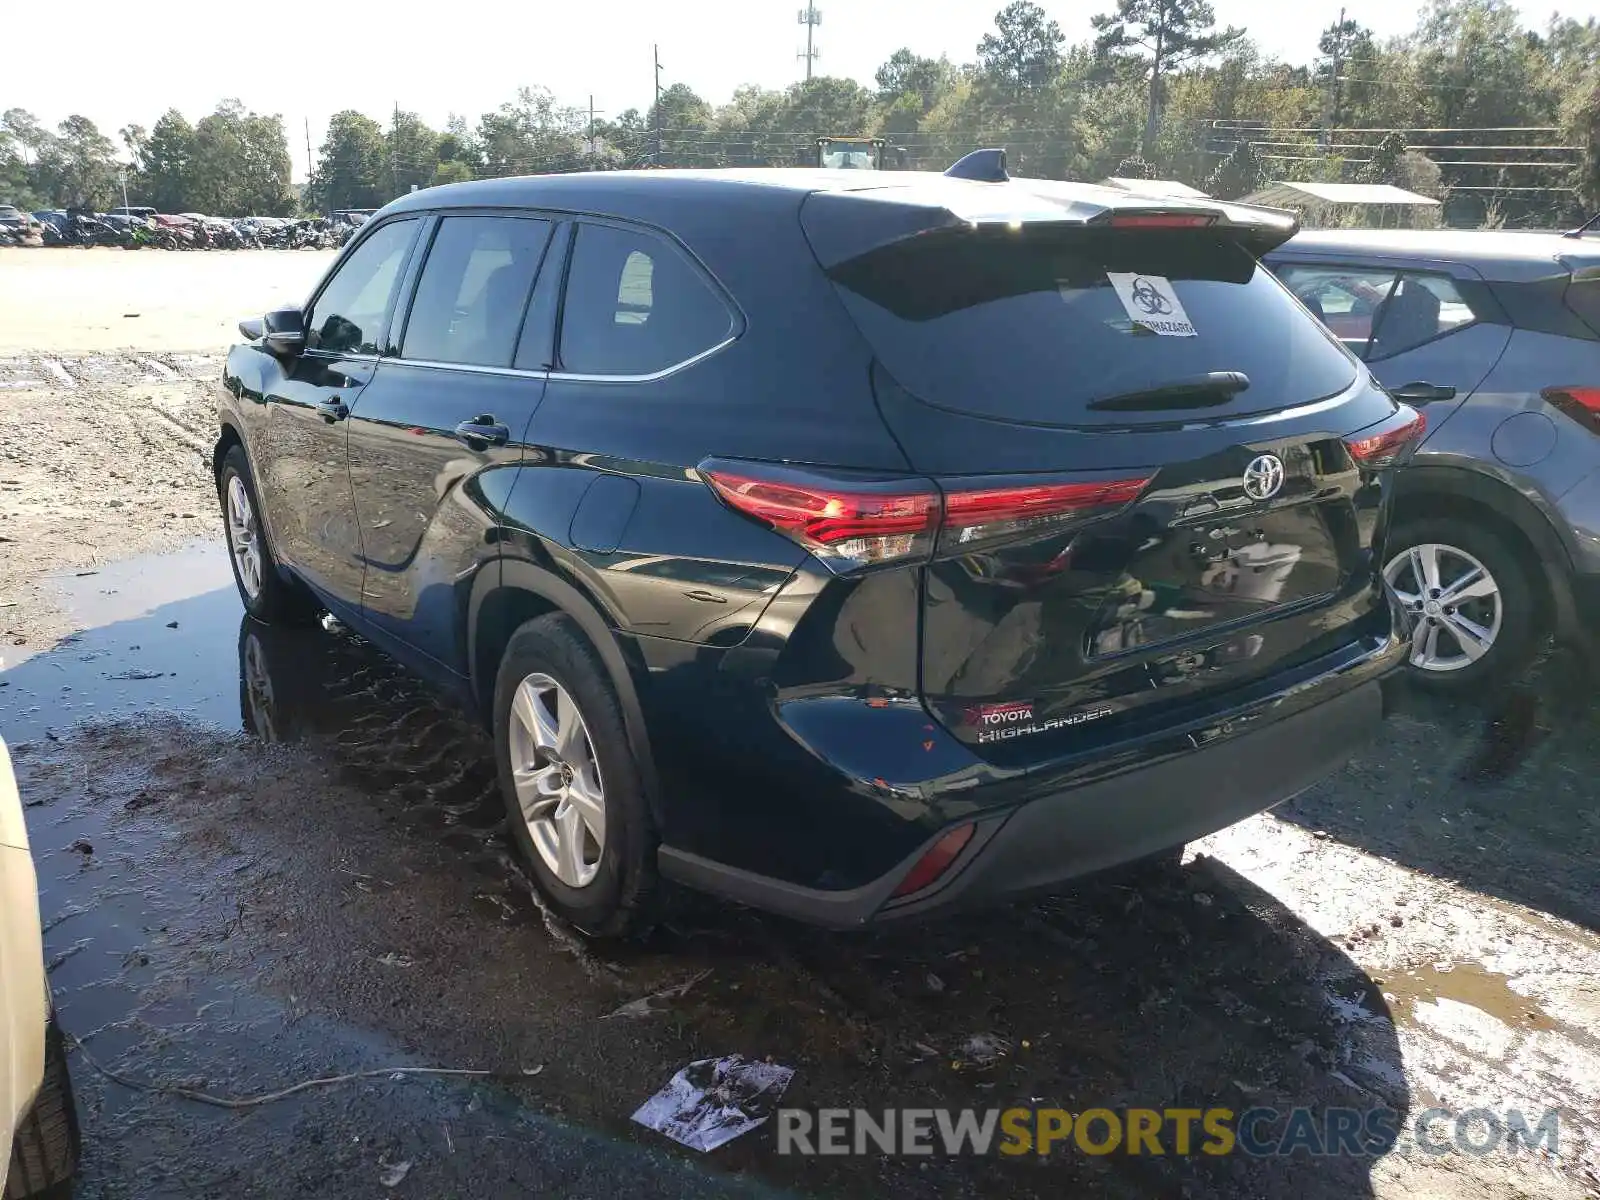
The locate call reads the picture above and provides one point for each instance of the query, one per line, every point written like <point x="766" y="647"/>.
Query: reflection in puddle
<point x="392" y="733"/>
<point x="152" y="629"/>
<point x="135" y="587"/>
<point x="166" y="633"/>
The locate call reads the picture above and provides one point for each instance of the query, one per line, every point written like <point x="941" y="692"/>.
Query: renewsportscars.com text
<point x="1258" y="1132"/>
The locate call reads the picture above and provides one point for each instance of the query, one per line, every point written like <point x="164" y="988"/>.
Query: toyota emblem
<point x="1263" y="477"/>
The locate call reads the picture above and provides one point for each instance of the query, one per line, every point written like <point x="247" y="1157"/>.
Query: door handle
<point x="483" y="431"/>
<point x="333" y="410"/>
<point x="1423" y="393"/>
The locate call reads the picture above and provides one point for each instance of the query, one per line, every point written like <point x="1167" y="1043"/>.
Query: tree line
<point x="232" y="162"/>
<point x="1470" y="104"/>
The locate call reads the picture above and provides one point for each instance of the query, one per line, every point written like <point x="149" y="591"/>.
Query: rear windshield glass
<point x="1036" y="326"/>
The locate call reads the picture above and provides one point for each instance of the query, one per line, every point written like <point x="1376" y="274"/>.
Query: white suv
<point x="38" y="1122"/>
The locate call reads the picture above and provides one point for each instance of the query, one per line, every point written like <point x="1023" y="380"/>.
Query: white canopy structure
<point x="1380" y="205"/>
<point x="1154" y="187"/>
<point x="1297" y="195"/>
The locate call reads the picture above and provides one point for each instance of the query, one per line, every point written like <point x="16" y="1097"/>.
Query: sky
<point x="468" y="56"/>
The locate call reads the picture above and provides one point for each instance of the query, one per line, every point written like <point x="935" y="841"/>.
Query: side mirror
<point x="284" y="331"/>
<point x="251" y="329"/>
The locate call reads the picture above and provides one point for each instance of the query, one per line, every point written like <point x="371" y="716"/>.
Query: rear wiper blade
<point x="1200" y="391"/>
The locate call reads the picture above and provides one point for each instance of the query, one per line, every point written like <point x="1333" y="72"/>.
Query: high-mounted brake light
<point x="1162" y="220"/>
<point x="1389" y="444"/>
<point x="1582" y="404"/>
<point x="852" y="521"/>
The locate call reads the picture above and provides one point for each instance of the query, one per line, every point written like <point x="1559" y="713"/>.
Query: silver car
<point x="1495" y="338"/>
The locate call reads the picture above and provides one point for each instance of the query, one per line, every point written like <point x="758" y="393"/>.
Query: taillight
<point x="1137" y="220"/>
<point x="847" y="521"/>
<point x="973" y="515"/>
<point x="1389" y="442"/>
<point x="1582" y="404"/>
<point x="854" y="521"/>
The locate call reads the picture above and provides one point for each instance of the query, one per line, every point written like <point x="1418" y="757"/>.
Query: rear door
<point x="641" y="325"/>
<point x="1147" y="500"/>
<point x="1429" y="328"/>
<point x="449" y="406"/>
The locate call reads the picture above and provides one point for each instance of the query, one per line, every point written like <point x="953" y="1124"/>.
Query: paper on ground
<point x="714" y="1100"/>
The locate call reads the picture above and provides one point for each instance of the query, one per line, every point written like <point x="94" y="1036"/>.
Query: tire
<point x="267" y="594"/>
<point x="44" y="1155"/>
<point x="1461" y="550"/>
<point x="618" y="897"/>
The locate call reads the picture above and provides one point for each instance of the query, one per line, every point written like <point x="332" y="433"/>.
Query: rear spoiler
<point x="843" y="225"/>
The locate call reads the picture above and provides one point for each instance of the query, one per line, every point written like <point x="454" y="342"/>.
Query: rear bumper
<point x="1052" y="839"/>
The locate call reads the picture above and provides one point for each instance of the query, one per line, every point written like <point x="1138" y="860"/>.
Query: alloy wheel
<point x="1452" y="601"/>
<point x="557" y="779"/>
<point x="244" y="536"/>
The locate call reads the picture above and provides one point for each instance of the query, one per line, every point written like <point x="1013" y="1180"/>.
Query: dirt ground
<point x="269" y="856"/>
<point x="81" y="301"/>
<point x="105" y="412"/>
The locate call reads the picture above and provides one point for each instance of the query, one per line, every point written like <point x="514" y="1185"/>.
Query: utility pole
<point x="655" y="158"/>
<point x="124" y="172"/>
<point x="810" y="17"/>
<point x="1338" y="48"/>
<point x="394" y="152"/>
<point x="593" y="150"/>
<point x="311" y="167"/>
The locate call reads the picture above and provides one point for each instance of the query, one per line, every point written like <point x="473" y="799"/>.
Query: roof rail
<point x="985" y="166"/>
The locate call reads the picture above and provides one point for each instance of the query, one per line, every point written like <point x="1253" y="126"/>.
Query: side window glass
<point x="348" y="315"/>
<point x="1422" y="308"/>
<point x="634" y="305"/>
<point x="473" y="290"/>
<point x="1345" y="299"/>
<point x="536" y="346"/>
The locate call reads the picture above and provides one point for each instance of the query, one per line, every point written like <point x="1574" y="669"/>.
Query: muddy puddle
<point x="1468" y="983"/>
<point x="271" y="854"/>
<point x="151" y="632"/>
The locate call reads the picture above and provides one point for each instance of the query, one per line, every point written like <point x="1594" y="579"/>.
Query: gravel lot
<point x="270" y="856"/>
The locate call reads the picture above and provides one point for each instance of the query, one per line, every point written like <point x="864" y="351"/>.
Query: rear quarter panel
<point x="1508" y="430"/>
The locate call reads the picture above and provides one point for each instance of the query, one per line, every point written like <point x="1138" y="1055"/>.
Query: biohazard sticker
<point x="1150" y="301"/>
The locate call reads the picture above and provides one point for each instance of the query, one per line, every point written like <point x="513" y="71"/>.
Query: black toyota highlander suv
<point x="852" y="544"/>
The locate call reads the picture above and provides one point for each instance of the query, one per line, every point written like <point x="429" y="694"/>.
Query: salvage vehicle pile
<point x="143" y="228"/>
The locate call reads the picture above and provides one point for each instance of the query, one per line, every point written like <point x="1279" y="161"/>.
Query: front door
<point x="303" y="469"/>
<point x="449" y="407"/>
